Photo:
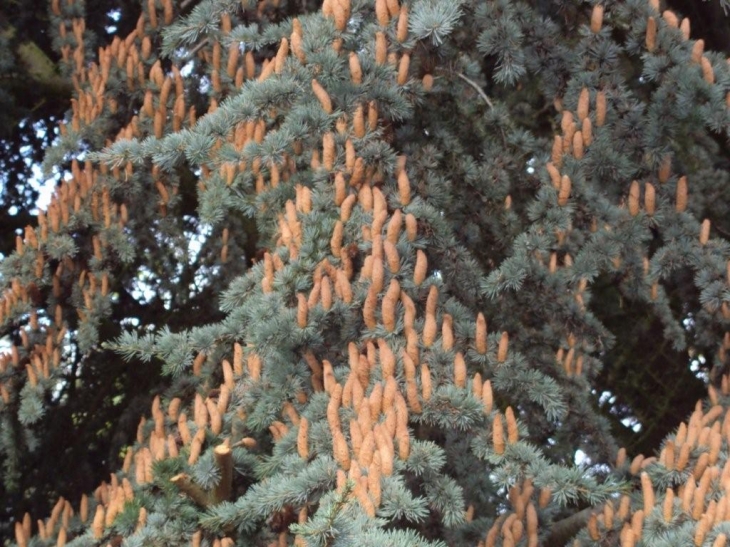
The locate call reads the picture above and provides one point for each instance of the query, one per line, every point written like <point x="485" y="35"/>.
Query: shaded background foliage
<point x="96" y="413"/>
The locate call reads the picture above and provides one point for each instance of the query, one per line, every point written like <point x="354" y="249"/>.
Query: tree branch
<point x="562" y="531"/>
<point x="187" y="486"/>
<point x="477" y="88"/>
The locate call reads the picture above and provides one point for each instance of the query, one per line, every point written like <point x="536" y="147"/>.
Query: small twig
<point x="724" y="233"/>
<point x="187" y="486"/>
<point x="195" y="50"/>
<point x="482" y="94"/>
<point x="478" y="89"/>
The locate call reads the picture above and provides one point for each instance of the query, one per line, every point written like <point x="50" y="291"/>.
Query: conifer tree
<point x="403" y="209"/>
